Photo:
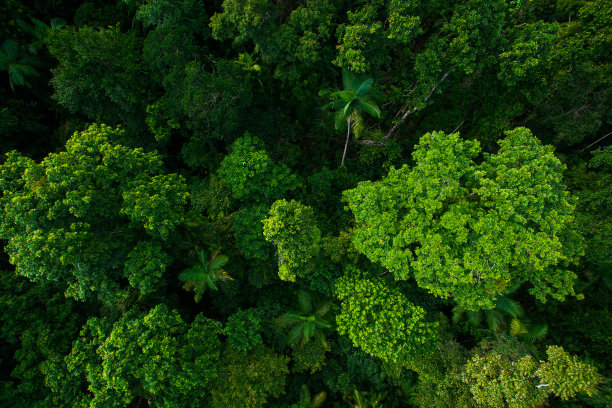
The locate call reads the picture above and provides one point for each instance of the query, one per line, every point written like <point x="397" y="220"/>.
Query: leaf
<point x="218" y="262"/>
<point x="348" y="79"/>
<point x="474" y="318"/>
<point x="294" y="335"/>
<point x="368" y="105"/>
<point x="309" y="329"/>
<point x="458" y="312"/>
<point x="340" y="120"/>
<point x="508" y="306"/>
<point x="536" y="332"/>
<point x="193" y="273"/>
<point x="517" y="328"/>
<point x="58" y="22"/>
<point x="288" y="319"/>
<point x="323" y="308"/>
<point x="364" y="88"/>
<point x="10" y="48"/>
<point x="304" y="302"/>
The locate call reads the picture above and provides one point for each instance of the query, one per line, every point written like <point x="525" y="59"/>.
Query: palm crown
<point x="358" y="96"/>
<point x="205" y="273"/>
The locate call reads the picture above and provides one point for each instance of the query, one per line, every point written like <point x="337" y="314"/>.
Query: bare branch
<point x="370" y="142"/>
<point x="416" y="108"/>
<point x="598" y="140"/>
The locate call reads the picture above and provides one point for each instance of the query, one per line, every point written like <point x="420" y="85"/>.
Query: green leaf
<point x="304" y="302"/>
<point x="364" y="88"/>
<point x="295" y="335"/>
<point x="323" y="308"/>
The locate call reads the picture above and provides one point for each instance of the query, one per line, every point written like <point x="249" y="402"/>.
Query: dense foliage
<point x="301" y="204"/>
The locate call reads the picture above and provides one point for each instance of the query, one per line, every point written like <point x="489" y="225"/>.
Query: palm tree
<point x="18" y="67"/>
<point x="306" y="322"/>
<point x="495" y="318"/>
<point x="357" y="97"/>
<point x="205" y="273"/>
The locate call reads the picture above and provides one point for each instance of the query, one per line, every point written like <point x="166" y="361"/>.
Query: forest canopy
<point x="303" y="204"/>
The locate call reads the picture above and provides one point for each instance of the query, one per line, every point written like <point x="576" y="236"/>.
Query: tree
<point x="505" y="378"/>
<point x="243" y="330"/>
<point x="252" y="175"/>
<point x="357" y="97"/>
<point x="248" y="380"/>
<point x="381" y="321"/>
<point x="205" y="273"/>
<point x="471" y="231"/>
<point x="99" y="74"/>
<point x="18" y="67"/>
<point x="155" y="356"/>
<point x="291" y="228"/>
<point x="91" y="216"/>
<point x="306" y="322"/>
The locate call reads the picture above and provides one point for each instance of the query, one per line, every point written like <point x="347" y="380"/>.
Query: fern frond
<point x="536" y="332"/>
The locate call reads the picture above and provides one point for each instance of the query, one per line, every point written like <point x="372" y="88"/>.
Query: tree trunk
<point x="348" y="134"/>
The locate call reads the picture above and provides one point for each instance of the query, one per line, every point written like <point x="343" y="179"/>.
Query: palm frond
<point x="474" y="318"/>
<point x="517" y="328"/>
<point x="295" y="335"/>
<point x="536" y="332"/>
<point x="348" y="79"/>
<point x="191" y="274"/>
<point x="288" y="319"/>
<point x="218" y="262"/>
<point x="340" y="120"/>
<point x="494" y="320"/>
<point x="323" y="308"/>
<point x="368" y="105"/>
<point x="508" y="306"/>
<point x="458" y="312"/>
<point x="304" y="302"/>
<point x="357" y="124"/>
<point x="339" y="104"/>
<point x="364" y="87"/>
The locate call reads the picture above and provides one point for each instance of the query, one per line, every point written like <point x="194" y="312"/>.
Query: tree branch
<point x="416" y="108"/>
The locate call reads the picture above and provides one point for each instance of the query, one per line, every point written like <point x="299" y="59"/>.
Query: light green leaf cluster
<point x="498" y="380"/>
<point x="64" y="218"/>
<point x="566" y="375"/>
<point x="381" y="321"/>
<point x="252" y="175"/>
<point x="291" y="227"/>
<point x="470" y="231"/>
<point x="156" y="356"/>
<point x="146" y="264"/>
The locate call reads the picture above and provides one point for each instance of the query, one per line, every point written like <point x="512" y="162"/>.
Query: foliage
<point x="243" y="330"/>
<point x="251" y="174"/>
<point x="248" y="231"/>
<point x="470" y="231"/>
<point x="498" y="380"/>
<point x="381" y="321"/>
<point x="99" y="73"/>
<point x="306" y="322"/>
<point x="204" y="273"/>
<point x="88" y="216"/>
<point x="156" y="356"/>
<point x="291" y="228"/>
<point x="421" y="272"/>
<point x="248" y="380"/>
